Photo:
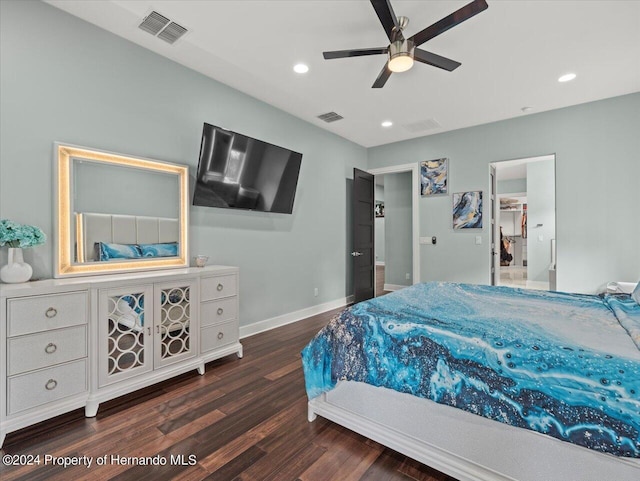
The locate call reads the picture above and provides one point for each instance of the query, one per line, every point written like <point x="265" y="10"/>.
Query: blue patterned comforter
<point x="556" y="363"/>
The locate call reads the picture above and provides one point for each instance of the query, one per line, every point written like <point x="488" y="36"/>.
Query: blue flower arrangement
<point x="13" y="234"/>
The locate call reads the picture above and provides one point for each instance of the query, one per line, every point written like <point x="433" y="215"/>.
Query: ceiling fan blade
<point x="354" y="53"/>
<point x="382" y="78"/>
<point x="387" y="18"/>
<point x="435" y="60"/>
<point x="457" y="17"/>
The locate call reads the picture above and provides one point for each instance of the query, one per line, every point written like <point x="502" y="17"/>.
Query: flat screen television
<point x="240" y="172"/>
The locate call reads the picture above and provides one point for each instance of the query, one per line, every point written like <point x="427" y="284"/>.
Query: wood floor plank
<point x="291" y="367"/>
<point x="250" y="438"/>
<point x="244" y="420"/>
<point x="385" y="468"/>
<point x="234" y="468"/>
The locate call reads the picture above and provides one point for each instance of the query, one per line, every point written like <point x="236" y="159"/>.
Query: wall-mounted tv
<point x="236" y="171"/>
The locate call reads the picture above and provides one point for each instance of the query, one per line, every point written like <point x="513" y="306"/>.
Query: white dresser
<point x="77" y="342"/>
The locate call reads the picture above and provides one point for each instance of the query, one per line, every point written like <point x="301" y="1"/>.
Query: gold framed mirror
<point x="118" y="213"/>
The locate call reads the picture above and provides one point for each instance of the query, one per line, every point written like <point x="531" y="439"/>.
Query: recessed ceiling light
<point x="300" y="68"/>
<point x="567" y="77"/>
<point x="387" y="123"/>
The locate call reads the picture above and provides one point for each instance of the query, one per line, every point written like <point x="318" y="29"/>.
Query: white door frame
<point x="415" y="218"/>
<point x="495" y="227"/>
<point x="495" y="213"/>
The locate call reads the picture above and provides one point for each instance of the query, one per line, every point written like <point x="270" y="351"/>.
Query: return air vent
<point x="422" y="125"/>
<point x="172" y="32"/>
<point x="154" y="22"/>
<point x="162" y="27"/>
<point x="330" y="117"/>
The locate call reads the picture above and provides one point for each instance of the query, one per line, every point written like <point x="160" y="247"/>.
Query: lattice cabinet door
<point x="125" y="333"/>
<point x="176" y="329"/>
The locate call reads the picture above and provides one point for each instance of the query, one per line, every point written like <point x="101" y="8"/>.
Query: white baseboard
<point x="393" y="287"/>
<point x="291" y="317"/>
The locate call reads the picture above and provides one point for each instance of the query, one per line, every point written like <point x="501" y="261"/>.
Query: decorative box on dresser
<point x="77" y="342"/>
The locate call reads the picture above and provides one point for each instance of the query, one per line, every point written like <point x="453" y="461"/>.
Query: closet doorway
<point x="523" y="223"/>
<point x="396" y="227"/>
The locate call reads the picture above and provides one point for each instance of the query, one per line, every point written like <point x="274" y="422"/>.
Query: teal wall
<point x="541" y="218"/>
<point x="597" y="148"/>
<point x="398" y="247"/>
<point x="63" y="79"/>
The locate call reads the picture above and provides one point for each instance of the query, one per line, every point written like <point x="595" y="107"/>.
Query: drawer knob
<point x="220" y="311"/>
<point x="220" y="287"/>
<point x="220" y="335"/>
<point x="50" y="348"/>
<point x="51" y="385"/>
<point x="51" y="312"/>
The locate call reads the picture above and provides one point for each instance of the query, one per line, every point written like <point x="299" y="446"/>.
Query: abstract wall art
<point x="379" y="208"/>
<point x="434" y="176"/>
<point x="467" y="210"/>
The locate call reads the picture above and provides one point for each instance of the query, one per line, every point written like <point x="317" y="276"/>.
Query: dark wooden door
<point x="363" y="236"/>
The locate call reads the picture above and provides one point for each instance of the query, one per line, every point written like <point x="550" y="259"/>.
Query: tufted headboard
<point x="121" y="229"/>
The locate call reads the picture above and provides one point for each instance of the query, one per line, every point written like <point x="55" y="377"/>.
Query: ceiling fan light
<point x="400" y="63"/>
<point x="400" y="56"/>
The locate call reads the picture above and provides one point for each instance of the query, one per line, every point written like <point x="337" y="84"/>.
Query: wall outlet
<point x="315" y="291"/>
<point x="407" y="276"/>
<point x="478" y="239"/>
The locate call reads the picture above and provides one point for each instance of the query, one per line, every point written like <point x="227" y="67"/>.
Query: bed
<point x="486" y="382"/>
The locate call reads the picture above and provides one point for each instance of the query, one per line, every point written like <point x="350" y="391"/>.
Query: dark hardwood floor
<point x="245" y="419"/>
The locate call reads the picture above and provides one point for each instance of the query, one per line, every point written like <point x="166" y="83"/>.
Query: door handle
<point x="356" y="254"/>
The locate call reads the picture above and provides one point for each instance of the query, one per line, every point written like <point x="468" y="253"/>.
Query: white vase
<point x="16" y="270"/>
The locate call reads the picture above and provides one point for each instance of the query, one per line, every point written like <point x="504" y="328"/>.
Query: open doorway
<point x="524" y="223"/>
<point x="396" y="233"/>
<point x="393" y="231"/>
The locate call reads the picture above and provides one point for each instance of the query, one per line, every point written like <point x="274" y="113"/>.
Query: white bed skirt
<point x="463" y="445"/>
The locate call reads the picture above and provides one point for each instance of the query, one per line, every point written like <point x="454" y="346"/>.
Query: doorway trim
<point x="415" y="218"/>
<point x="496" y="207"/>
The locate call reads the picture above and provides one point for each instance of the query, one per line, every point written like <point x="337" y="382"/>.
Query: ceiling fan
<point x="402" y="51"/>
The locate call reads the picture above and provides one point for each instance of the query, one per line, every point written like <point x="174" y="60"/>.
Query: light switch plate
<point x="478" y="239"/>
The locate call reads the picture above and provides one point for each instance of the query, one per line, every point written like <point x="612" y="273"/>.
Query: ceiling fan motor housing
<point x="401" y="55"/>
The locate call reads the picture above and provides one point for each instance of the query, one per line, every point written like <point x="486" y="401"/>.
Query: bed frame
<point x="460" y="444"/>
<point x="121" y="229"/>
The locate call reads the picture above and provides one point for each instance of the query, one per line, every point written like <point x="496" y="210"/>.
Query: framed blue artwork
<point x="467" y="210"/>
<point x="434" y="176"/>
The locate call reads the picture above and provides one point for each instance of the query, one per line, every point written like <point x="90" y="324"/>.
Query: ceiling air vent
<point x="162" y="27"/>
<point x="153" y="23"/>
<point x="422" y="125"/>
<point x="172" y="32"/>
<point x="330" y="117"/>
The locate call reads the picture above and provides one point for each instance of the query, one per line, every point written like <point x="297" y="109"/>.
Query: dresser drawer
<point x="45" y="386"/>
<point x="215" y="312"/>
<point x="41" y="313"/>
<point x="218" y="287"/>
<point x="34" y="351"/>
<point x="213" y="337"/>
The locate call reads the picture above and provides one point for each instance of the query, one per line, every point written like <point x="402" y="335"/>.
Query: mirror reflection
<point x="113" y="204"/>
<point x="119" y="213"/>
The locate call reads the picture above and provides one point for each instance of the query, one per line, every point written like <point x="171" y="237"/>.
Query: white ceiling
<point x="512" y="55"/>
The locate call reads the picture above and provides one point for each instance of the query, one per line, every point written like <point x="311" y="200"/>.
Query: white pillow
<point x="636" y="293"/>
